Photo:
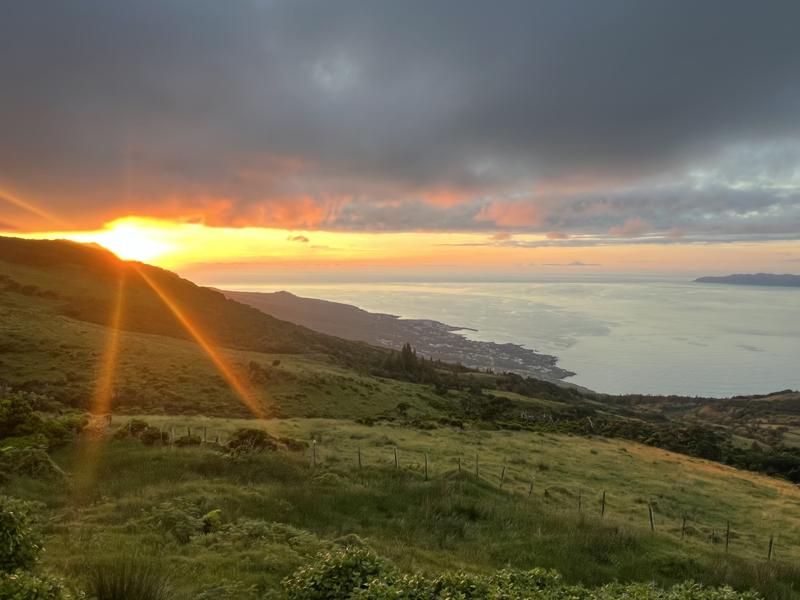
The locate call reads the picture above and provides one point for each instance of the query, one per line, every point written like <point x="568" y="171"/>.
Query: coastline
<point x="430" y="338"/>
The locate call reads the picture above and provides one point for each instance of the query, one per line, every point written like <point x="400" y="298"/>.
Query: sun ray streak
<point x="100" y="405"/>
<point x="222" y="365"/>
<point x="14" y="200"/>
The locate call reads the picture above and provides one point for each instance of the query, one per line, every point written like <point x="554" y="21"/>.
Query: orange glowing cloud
<point x="631" y="228"/>
<point x="512" y="214"/>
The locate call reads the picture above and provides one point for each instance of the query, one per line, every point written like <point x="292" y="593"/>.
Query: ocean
<point x="620" y="335"/>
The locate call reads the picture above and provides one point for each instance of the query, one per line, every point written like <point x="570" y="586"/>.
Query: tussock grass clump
<point x="128" y="580"/>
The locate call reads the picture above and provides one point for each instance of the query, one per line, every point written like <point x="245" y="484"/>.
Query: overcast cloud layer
<point x="617" y="118"/>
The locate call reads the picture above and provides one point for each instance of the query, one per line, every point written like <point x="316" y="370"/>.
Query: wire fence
<point x="587" y="502"/>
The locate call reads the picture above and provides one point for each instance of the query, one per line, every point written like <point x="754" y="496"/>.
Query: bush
<point x="128" y="580"/>
<point x="293" y="444"/>
<point x="505" y="585"/>
<point x="26" y="586"/>
<point x="151" y="435"/>
<point x="188" y="440"/>
<point x="19" y="546"/>
<point x="180" y="517"/>
<point x="28" y="461"/>
<point x="20" y="421"/>
<point x="337" y="574"/>
<point x="248" y="440"/>
<point x="17" y="417"/>
<point x="356" y="573"/>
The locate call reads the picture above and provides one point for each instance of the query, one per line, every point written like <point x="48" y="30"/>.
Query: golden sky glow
<point x="200" y="251"/>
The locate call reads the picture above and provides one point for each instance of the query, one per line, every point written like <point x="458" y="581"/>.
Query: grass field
<point x="60" y="356"/>
<point x="279" y="511"/>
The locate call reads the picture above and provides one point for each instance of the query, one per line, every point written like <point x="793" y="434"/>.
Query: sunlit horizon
<point x="250" y="254"/>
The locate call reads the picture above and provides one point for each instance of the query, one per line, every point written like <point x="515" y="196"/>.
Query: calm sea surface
<point x="659" y="336"/>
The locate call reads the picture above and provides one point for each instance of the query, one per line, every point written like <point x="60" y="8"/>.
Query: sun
<point x="132" y="240"/>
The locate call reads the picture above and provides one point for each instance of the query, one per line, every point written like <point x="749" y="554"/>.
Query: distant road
<point x="769" y="279"/>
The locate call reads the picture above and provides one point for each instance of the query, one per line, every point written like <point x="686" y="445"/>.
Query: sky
<point x="268" y="138"/>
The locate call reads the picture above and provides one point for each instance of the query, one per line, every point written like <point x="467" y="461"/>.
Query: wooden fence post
<point x="530" y="489"/>
<point x="426" y="466"/>
<point x="205" y="434"/>
<point x="683" y="527"/>
<point x="172" y="436"/>
<point x="396" y="463"/>
<point x="502" y="477"/>
<point x="189" y="432"/>
<point x="769" y="551"/>
<point x="477" y="472"/>
<point x="314" y="453"/>
<point x="459" y="465"/>
<point x="359" y="457"/>
<point x="727" y="535"/>
<point x="580" y="500"/>
<point x="650" y="512"/>
<point x="603" y="505"/>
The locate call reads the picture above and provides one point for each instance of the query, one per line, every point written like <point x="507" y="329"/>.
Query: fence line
<point x="315" y="460"/>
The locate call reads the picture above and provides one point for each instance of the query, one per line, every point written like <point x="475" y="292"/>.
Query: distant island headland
<point x="769" y="279"/>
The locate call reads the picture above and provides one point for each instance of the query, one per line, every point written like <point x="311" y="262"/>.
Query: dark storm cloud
<point x="356" y="115"/>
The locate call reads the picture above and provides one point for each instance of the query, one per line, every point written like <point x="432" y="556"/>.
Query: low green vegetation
<point x="234" y="523"/>
<point x="358" y="574"/>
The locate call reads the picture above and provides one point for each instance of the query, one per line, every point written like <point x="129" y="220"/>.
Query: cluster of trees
<point x="406" y="365"/>
<point x="22" y="424"/>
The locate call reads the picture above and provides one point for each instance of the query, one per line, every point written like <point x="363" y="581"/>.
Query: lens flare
<point x="28" y="207"/>
<point x="100" y="406"/>
<point x="225" y="369"/>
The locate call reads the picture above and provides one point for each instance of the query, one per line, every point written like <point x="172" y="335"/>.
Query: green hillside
<point x="167" y="477"/>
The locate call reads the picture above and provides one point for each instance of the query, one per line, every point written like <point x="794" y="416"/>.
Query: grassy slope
<point x="449" y="522"/>
<point x="54" y="343"/>
<point x="84" y="281"/>
<point x="50" y="353"/>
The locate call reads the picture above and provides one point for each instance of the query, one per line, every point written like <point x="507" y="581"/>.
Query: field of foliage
<point x="236" y="516"/>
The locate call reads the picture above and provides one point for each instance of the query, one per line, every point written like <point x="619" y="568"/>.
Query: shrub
<point x="188" y="440"/>
<point x="179" y="517"/>
<point x="31" y="462"/>
<point x="247" y="440"/>
<point x="356" y="573"/>
<point x="505" y="585"/>
<point x="128" y="580"/>
<point x="17" y="417"/>
<point x="293" y="444"/>
<point x="19" y="420"/>
<point x="151" y="435"/>
<point x="19" y="546"/>
<point x="26" y="586"/>
<point x="337" y="574"/>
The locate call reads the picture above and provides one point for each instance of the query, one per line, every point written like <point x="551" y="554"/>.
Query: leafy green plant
<point x="26" y="586"/>
<point x="19" y="545"/>
<point x="357" y="574"/>
<point x="28" y="461"/>
<point x="180" y="517"/>
<point x="337" y="574"/>
<point x="128" y="580"/>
